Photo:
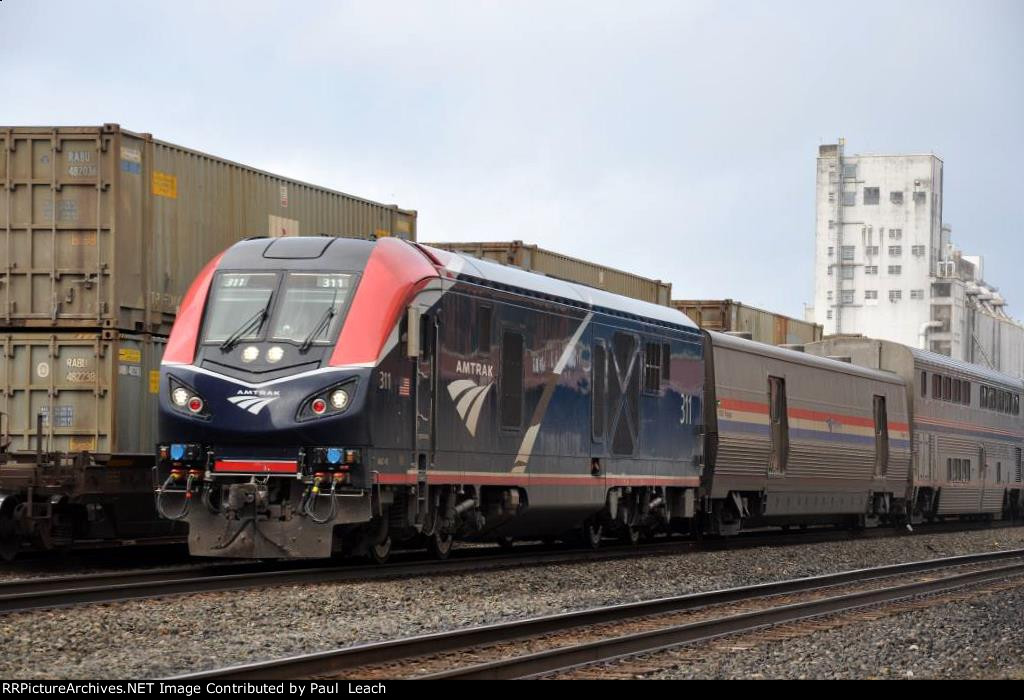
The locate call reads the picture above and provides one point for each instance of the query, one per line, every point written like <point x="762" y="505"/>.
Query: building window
<point x="847" y="273"/>
<point x="896" y="197"/>
<point x="846" y="296"/>
<point x="828" y="314"/>
<point x="828" y="295"/>
<point x="941" y="290"/>
<point x="870" y="293"/>
<point x="917" y="250"/>
<point x="870" y="195"/>
<point x="895" y="250"/>
<point x="849" y="199"/>
<point x="831" y="251"/>
<point x="895" y="234"/>
<point x="895" y="269"/>
<point x="871" y="250"/>
<point x="917" y="294"/>
<point x="920" y="198"/>
<point x="850" y="170"/>
<point x="829" y="270"/>
<point x="847" y="252"/>
<point x="871" y="269"/>
<point x="895" y="294"/>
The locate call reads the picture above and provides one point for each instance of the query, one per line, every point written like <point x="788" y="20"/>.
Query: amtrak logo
<point x="469" y="399"/>
<point x="254" y="401"/>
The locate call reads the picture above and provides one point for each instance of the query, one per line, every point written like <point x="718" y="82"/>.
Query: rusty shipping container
<point x="730" y="316"/>
<point x="106" y="228"/>
<point x="537" y="259"/>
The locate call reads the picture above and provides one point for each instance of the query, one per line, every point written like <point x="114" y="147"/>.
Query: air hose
<point x="309" y="502"/>
<point x="186" y="506"/>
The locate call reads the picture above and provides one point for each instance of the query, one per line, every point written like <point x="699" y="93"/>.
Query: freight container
<point x="728" y="316"/>
<point x="106" y="228"/>
<point x="78" y="429"/>
<point x="536" y="259"/>
<point x="95" y="392"/>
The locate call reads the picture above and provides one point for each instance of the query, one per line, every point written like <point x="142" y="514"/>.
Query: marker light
<point x="179" y="396"/>
<point x="319" y="406"/>
<point x="275" y="354"/>
<point x="250" y="354"/>
<point x="177" y="452"/>
<point x="339" y="398"/>
<point x="333" y="455"/>
<point x="195" y="404"/>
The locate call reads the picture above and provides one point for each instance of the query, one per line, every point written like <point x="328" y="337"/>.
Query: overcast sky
<point x="673" y="139"/>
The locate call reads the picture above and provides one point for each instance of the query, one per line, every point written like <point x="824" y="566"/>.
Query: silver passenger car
<point x="967" y="428"/>
<point x="798" y="439"/>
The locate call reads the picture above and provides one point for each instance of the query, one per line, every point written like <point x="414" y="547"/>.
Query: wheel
<point x="379" y="553"/>
<point x="440" y="544"/>
<point x="630" y="535"/>
<point x="592" y="533"/>
<point x="506" y="543"/>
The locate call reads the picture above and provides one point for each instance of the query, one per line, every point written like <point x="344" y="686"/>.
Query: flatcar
<point x="321" y="396"/>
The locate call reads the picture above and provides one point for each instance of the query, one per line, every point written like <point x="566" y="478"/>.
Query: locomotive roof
<point x="487" y="270"/>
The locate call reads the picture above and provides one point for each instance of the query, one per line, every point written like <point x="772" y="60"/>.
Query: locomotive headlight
<point x="275" y="354"/>
<point x="179" y="396"/>
<point x="250" y="354"/>
<point x="339" y="399"/>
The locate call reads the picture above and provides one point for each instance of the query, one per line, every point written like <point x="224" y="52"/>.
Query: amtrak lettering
<point x="254" y="400"/>
<point x="477" y="369"/>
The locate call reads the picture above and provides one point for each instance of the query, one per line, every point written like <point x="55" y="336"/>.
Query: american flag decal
<point x="405" y="388"/>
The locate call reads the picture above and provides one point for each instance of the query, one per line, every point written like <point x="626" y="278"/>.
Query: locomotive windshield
<point x="307" y="310"/>
<point x="238" y="298"/>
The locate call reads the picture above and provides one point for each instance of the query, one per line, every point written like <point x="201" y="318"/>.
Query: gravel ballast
<point x="976" y="639"/>
<point x="189" y="633"/>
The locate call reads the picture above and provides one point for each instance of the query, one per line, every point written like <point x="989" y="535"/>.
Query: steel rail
<point x="111" y="587"/>
<point x="67" y="591"/>
<point x="352" y="657"/>
<point x="605" y="650"/>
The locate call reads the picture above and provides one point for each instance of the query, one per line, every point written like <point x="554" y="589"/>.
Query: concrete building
<point x="885" y="267"/>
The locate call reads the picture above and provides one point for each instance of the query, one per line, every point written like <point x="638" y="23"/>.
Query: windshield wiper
<point x="256" y="320"/>
<point x="318" y="329"/>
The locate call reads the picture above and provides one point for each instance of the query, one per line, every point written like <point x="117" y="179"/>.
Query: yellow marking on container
<point x="83" y="238"/>
<point x="383" y="233"/>
<point x="154" y="381"/>
<point x="83" y="444"/>
<point x="129" y="355"/>
<point x="165" y="185"/>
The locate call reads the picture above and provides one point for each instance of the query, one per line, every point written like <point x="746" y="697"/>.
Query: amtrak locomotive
<point x="326" y="395"/>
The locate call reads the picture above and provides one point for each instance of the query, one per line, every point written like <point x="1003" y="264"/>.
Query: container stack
<point x="536" y="259"/>
<point x="104" y="231"/>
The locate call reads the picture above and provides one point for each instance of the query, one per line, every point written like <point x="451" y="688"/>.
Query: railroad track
<point x="561" y="644"/>
<point x="109" y="587"/>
